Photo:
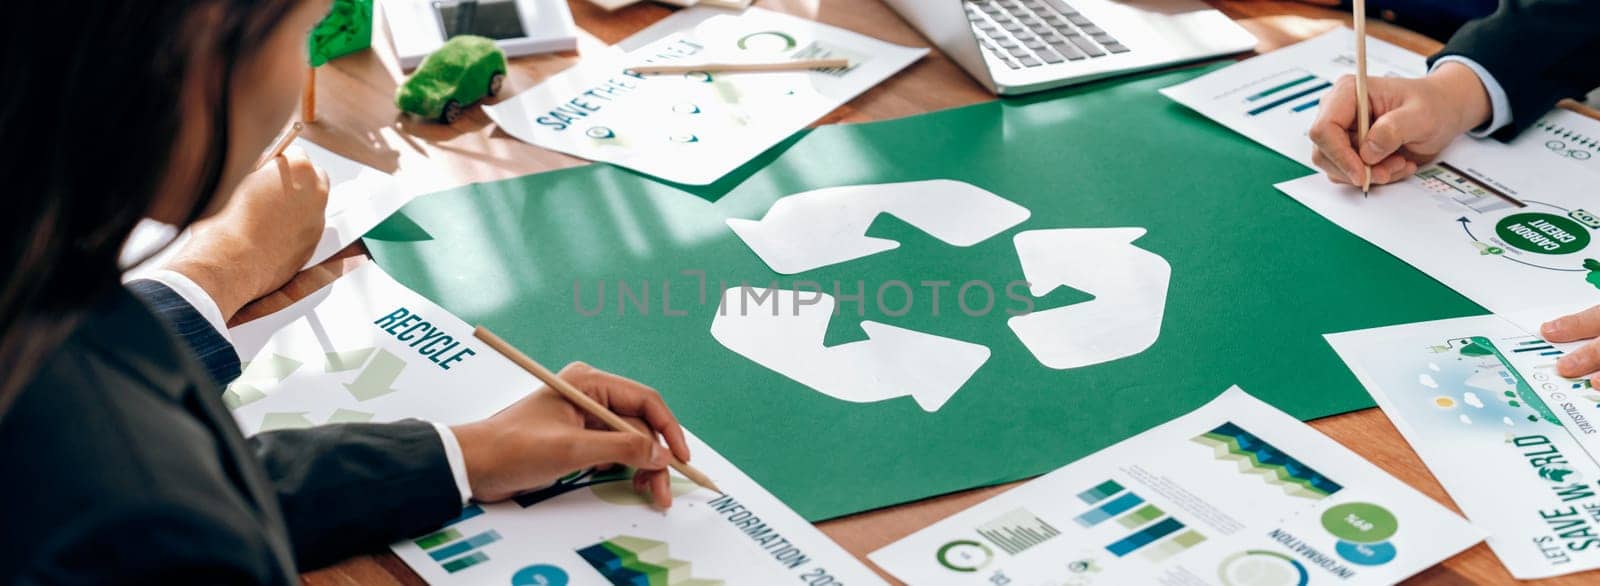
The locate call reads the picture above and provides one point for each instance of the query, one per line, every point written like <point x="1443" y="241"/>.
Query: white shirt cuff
<point x="1498" y="101"/>
<point x="195" y="296"/>
<point x="458" y="463"/>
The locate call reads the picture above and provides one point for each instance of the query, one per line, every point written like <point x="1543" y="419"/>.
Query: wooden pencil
<point x="283" y="142"/>
<point x="1363" y="106"/>
<point x="583" y="401"/>
<point x="794" y="65"/>
<point x="308" y="103"/>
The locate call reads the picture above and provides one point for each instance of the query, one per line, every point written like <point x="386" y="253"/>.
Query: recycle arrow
<point x="817" y="228"/>
<point x="296" y="420"/>
<point x="343" y="361"/>
<point x="300" y="420"/>
<point x="1129" y="285"/>
<point x="255" y="375"/>
<point x="784" y="334"/>
<point x="377" y="379"/>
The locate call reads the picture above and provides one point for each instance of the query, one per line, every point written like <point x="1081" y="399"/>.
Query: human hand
<point x="1414" y="119"/>
<point x="543" y="437"/>
<point x="1584" y="361"/>
<point x="261" y="237"/>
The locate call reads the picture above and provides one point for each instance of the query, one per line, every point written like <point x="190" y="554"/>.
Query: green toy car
<point x="466" y="69"/>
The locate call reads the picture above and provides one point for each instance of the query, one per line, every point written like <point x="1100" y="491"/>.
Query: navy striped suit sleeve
<point x="215" y="352"/>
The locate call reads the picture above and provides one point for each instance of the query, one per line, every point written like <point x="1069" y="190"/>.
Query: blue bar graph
<point x="465" y="545"/>
<point x="1109" y="509"/>
<point x="1144" y="537"/>
<point x="1308" y="105"/>
<point x="1290" y="98"/>
<point x="1100" y="492"/>
<point x="1280" y="87"/>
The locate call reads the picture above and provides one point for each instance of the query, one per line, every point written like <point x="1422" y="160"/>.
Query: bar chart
<point x="1293" y="92"/>
<point x="1536" y="346"/>
<point x="1174" y="546"/>
<point x="454" y="550"/>
<point x="1138" y="539"/>
<point x="1150" y="524"/>
<point x="1108" y="509"/>
<point x="1017" y="531"/>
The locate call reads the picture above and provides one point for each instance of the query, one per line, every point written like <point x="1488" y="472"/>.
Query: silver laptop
<point x="1021" y="46"/>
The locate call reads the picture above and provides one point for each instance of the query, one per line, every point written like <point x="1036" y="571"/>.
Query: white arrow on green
<point x="240" y="394"/>
<point x="1129" y="285"/>
<point x="377" y="379"/>
<point x="821" y="227"/>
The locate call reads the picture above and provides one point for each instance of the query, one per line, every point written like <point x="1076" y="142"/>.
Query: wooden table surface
<point x="356" y="117"/>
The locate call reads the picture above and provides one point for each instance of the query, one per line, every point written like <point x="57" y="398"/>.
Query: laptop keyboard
<point x="1035" y="33"/>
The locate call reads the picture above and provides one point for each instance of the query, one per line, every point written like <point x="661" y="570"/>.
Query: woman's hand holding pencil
<point x="545" y="436"/>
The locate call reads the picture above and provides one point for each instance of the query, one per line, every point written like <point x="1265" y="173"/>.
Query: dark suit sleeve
<point x="344" y="489"/>
<point x="353" y="488"/>
<point x="197" y="540"/>
<point x="215" y="352"/>
<point x="1540" y="51"/>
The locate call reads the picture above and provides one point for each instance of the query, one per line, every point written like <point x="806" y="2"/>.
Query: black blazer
<point x="1539" y="50"/>
<point x="119" y="464"/>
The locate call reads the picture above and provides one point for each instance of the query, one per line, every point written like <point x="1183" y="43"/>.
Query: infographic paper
<point x="1478" y="399"/>
<point x="1504" y="224"/>
<point x="1273" y="98"/>
<point x="694" y="128"/>
<point x="365" y="348"/>
<point x="592" y="528"/>
<point x="1235" y="492"/>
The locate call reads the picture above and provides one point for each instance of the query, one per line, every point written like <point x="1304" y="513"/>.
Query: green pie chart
<point x="767" y="42"/>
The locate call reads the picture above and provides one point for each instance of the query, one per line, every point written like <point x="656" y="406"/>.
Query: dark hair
<point x="90" y="116"/>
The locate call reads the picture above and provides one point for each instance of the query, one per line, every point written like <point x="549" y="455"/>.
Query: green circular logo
<point x="1360" y="522"/>
<point x="964" y="555"/>
<point x="1542" y="233"/>
<point x="767" y="42"/>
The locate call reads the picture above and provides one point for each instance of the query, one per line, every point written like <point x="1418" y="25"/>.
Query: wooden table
<point x="356" y="117"/>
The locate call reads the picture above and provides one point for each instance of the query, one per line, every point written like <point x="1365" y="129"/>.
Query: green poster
<point x="616" y="269"/>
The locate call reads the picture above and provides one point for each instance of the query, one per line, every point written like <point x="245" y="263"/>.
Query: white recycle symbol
<point x="814" y="229"/>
